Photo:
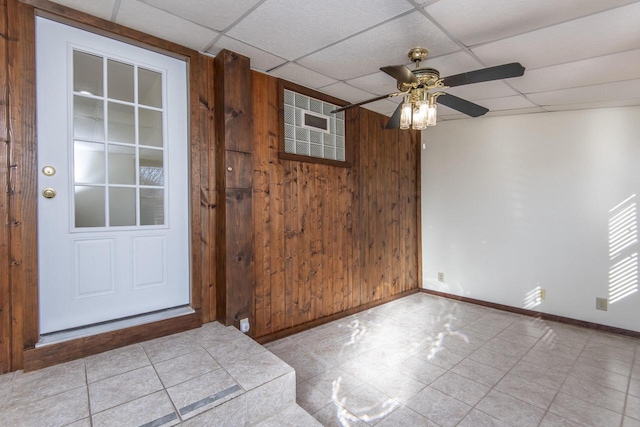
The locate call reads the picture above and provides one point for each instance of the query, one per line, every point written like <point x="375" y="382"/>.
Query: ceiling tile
<point x="297" y="28"/>
<point x="260" y="60"/>
<point x="102" y="9"/>
<point x="494" y="89"/>
<point x="378" y="83"/>
<point x="590" y="105"/>
<point x="604" y="33"/>
<point x="346" y="92"/>
<point x="603" y="69"/>
<point x="297" y="74"/>
<point x="161" y="24"/>
<point x="473" y="22"/>
<point x="214" y="14"/>
<point x="506" y="103"/>
<point x="384" y="107"/>
<point x="616" y="91"/>
<point x="387" y="44"/>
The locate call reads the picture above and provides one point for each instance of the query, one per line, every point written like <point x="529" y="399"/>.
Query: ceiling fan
<point x="419" y="107"/>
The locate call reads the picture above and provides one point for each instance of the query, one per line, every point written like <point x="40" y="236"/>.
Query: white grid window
<point x="310" y="129"/>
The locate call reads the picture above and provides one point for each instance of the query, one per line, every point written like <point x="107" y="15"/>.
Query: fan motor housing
<point x="428" y="78"/>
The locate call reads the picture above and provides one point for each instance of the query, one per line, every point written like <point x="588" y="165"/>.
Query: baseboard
<point x="538" y="314"/>
<point x="53" y="354"/>
<point x="312" y="324"/>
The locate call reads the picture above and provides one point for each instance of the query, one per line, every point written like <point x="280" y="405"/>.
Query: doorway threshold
<point x="114" y="325"/>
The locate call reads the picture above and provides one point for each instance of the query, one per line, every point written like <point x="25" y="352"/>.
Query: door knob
<point x="49" y="193"/>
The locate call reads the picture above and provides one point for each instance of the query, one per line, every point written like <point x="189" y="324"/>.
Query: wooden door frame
<point x="22" y="221"/>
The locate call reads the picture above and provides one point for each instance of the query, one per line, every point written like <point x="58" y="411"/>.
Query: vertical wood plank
<point x="5" y="296"/>
<point x="261" y="204"/>
<point x="276" y="212"/>
<point x="23" y="196"/>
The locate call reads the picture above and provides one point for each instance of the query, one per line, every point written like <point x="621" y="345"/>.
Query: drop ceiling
<point x="578" y="53"/>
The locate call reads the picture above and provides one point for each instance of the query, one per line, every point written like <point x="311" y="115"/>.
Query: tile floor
<point x="211" y="376"/>
<point x="417" y="361"/>
<point x="429" y="361"/>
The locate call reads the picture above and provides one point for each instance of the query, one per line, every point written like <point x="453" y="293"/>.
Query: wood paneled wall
<point x="323" y="240"/>
<point x="331" y="239"/>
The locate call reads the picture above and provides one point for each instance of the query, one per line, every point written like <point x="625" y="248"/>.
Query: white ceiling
<point x="578" y="53"/>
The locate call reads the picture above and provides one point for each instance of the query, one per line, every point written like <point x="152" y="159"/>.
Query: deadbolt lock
<point x="49" y="193"/>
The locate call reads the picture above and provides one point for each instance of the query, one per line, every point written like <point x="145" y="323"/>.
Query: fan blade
<point x="464" y="106"/>
<point x="401" y="73"/>
<point x="377" y="98"/>
<point x="394" y="121"/>
<point x="484" y="75"/>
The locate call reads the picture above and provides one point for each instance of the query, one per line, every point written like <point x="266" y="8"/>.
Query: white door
<point x="113" y="144"/>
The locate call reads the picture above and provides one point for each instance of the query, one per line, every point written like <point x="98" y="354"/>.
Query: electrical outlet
<point x="543" y="294"/>
<point x="602" y="304"/>
<point x="440" y="277"/>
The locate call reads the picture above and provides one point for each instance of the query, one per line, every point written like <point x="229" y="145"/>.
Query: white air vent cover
<point x="310" y="129"/>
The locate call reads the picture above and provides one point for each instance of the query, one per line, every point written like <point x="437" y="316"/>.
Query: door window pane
<point x="88" y="162"/>
<point x="87" y="73"/>
<point x="122" y="206"/>
<point x="88" y="118"/>
<point x="149" y="88"/>
<point x="151" y="167"/>
<point x="151" y="206"/>
<point x="89" y="203"/>
<point x="122" y="164"/>
<point x="121" y="123"/>
<point x="150" y="127"/>
<point x="120" y="81"/>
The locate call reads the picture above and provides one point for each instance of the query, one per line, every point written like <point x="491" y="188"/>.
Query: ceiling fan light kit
<point x="422" y="89"/>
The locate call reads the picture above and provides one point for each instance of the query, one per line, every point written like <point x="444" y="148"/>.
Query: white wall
<point x="516" y="202"/>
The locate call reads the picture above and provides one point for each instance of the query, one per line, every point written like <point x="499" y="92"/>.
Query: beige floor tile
<point x="461" y="388"/>
<point x="494" y="359"/>
<point x="335" y="383"/>
<point x="257" y="370"/>
<point x="534" y="374"/>
<point x="583" y="413"/>
<point x="557" y="348"/>
<point x="183" y="368"/>
<point x="232" y="413"/>
<point x="154" y="409"/>
<point x="35" y="385"/>
<point x="166" y="348"/>
<point x="369" y="404"/>
<point x="440" y="356"/>
<point x="476" y="418"/>
<point x="404" y="416"/>
<point x="633" y="407"/>
<point x="364" y="372"/>
<point x="530" y="392"/>
<point x="234" y="347"/>
<point x="438" y="407"/>
<point x="115" y="362"/>
<point x="204" y="392"/>
<point x="334" y="415"/>
<point x="549" y="361"/>
<point x="58" y="410"/>
<point x="634" y="387"/>
<point x="478" y="372"/>
<point x="397" y="385"/>
<point x="305" y="364"/>
<point x="293" y="416"/>
<point x="510" y="410"/>
<point x="630" y="422"/>
<point x="589" y="390"/>
<point x="420" y="370"/>
<point x="507" y="348"/>
<point x="601" y="377"/>
<point x="310" y="398"/>
<point x="114" y="391"/>
<point x="552" y="420"/>
<point x="270" y="398"/>
<point x="605" y="363"/>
